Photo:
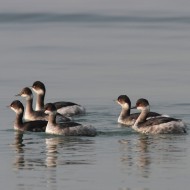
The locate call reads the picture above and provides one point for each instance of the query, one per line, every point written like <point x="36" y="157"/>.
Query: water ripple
<point x="85" y="17"/>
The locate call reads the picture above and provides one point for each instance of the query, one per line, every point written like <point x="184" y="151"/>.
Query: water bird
<point x="156" y="125"/>
<point x="34" y="126"/>
<point x="32" y="115"/>
<point x="125" y="117"/>
<point x="66" y="129"/>
<point x="64" y="108"/>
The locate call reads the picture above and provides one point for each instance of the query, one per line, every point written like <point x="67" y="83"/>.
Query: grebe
<point x="30" y="114"/>
<point x="125" y="117"/>
<point x="64" y="108"/>
<point x="34" y="126"/>
<point x="156" y="125"/>
<point x="66" y="129"/>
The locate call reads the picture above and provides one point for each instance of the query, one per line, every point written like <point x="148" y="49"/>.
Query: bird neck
<point x="125" y="112"/>
<point x="52" y="119"/>
<point x="143" y="115"/>
<point x="40" y="102"/>
<point x="29" y="104"/>
<point x="18" y="120"/>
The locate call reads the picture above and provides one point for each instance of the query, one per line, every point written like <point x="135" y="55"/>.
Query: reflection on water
<point x="24" y="157"/>
<point x="19" y="141"/>
<point x="69" y="151"/>
<point x="18" y="145"/>
<point x="51" y="151"/>
<point x="137" y="155"/>
<point x="133" y="189"/>
<point x="148" y="151"/>
<point x="144" y="157"/>
<point x="58" y="159"/>
<point x="82" y="17"/>
<point x="57" y="151"/>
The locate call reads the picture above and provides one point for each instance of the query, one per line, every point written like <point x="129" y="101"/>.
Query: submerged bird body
<point x="34" y="126"/>
<point x="66" y="129"/>
<point x="64" y="108"/>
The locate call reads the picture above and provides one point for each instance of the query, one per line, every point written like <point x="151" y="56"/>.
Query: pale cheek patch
<point x="13" y="109"/>
<point x="143" y="108"/>
<point x="139" y="108"/>
<point x="126" y="106"/>
<point x="50" y="112"/>
<point x="47" y="112"/>
<point x="28" y="97"/>
<point x="23" y="95"/>
<point x="34" y="90"/>
<point x="18" y="111"/>
<point x="39" y="91"/>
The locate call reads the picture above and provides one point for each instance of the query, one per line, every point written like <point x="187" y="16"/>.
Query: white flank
<point x="71" y="110"/>
<point x="173" y="127"/>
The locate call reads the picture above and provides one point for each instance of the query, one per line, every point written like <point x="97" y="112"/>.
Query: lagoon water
<point x="90" y="52"/>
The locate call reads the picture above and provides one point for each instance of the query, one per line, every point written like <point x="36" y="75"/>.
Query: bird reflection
<point x="144" y="159"/>
<point x="137" y="155"/>
<point x="52" y="150"/>
<point x="66" y="146"/>
<point x="18" y="145"/>
<point x="59" y="151"/>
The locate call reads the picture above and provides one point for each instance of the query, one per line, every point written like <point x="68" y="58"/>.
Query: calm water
<point x="90" y="53"/>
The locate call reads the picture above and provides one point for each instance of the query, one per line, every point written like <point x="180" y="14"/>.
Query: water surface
<point x="90" y="53"/>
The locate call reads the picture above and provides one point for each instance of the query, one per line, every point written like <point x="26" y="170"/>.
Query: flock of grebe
<point x="55" y="118"/>
<point x="146" y="121"/>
